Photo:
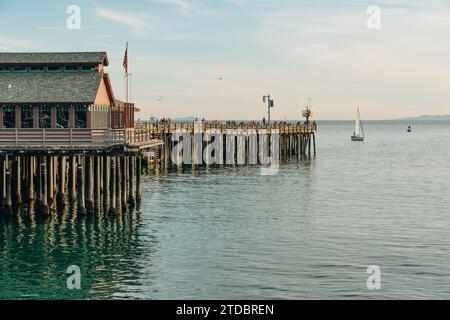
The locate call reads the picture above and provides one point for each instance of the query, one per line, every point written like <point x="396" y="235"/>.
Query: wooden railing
<point x="50" y="138"/>
<point x="143" y="134"/>
<point x="284" y="128"/>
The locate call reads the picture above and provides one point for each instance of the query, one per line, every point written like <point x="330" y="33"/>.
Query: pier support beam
<point x="112" y="188"/>
<point x="138" y="178"/>
<point x="8" y="203"/>
<point x="61" y="196"/>
<point x="3" y="182"/>
<point x="89" y="180"/>
<point x="80" y="186"/>
<point x="119" y="178"/>
<point x="97" y="182"/>
<point x="118" y="185"/>
<point x="18" y="180"/>
<point x="30" y="175"/>
<point x="123" y="173"/>
<point x="106" y="183"/>
<point x="42" y="172"/>
<point x="314" y="143"/>
<point x="131" y="192"/>
<point x="50" y="180"/>
<point x="72" y="178"/>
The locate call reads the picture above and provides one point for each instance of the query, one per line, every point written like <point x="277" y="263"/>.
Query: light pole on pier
<point x="307" y="112"/>
<point x="269" y="105"/>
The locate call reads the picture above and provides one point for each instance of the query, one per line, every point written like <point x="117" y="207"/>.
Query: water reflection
<point x="203" y="232"/>
<point x="36" y="252"/>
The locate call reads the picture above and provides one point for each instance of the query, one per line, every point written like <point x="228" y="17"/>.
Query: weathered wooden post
<point x="18" y="180"/>
<point x="43" y="204"/>
<point x="37" y="177"/>
<point x="124" y="174"/>
<point x="97" y="182"/>
<point x="50" y="180"/>
<point x="72" y="177"/>
<point x="81" y="187"/>
<point x="112" y="188"/>
<point x="106" y="184"/>
<point x="309" y="145"/>
<point x="314" y="142"/>
<point x="3" y="182"/>
<point x="61" y="197"/>
<point x="55" y="177"/>
<point x="8" y="203"/>
<point x="118" y="185"/>
<point x="167" y="149"/>
<point x="138" y="178"/>
<point x="131" y="194"/>
<point x="30" y="177"/>
<point x="89" y="185"/>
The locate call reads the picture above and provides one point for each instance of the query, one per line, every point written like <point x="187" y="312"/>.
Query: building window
<point x="26" y="117"/>
<point x="88" y="68"/>
<point x="5" y="69"/>
<point x="81" y="115"/>
<point x="9" y="117"/>
<point x="45" y="117"/>
<point x="118" y="119"/>
<point x="54" y="69"/>
<point x="20" y="69"/>
<point x="62" y="116"/>
<point x="37" y="69"/>
<point x="70" y="68"/>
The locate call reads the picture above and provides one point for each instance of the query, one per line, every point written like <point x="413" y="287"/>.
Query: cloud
<point x="189" y="8"/>
<point x="14" y="44"/>
<point x="184" y="6"/>
<point x="131" y="20"/>
<point x="391" y="71"/>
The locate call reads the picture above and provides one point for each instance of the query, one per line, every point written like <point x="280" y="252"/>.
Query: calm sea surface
<point x="308" y="232"/>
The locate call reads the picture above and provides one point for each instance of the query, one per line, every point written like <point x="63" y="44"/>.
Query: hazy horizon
<point x="217" y="59"/>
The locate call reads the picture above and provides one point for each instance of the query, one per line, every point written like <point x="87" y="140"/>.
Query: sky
<point x="215" y="59"/>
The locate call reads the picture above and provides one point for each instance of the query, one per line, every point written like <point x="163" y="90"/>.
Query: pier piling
<point x="112" y="188"/>
<point x="80" y="186"/>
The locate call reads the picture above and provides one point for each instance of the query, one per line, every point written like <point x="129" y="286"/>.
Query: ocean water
<point x="308" y="232"/>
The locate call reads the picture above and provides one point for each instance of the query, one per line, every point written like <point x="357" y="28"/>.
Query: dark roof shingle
<point x="49" y="87"/>
<point x="11" y="58"/>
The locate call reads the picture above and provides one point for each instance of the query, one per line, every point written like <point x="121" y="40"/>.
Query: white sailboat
<point x="358" y="134"/>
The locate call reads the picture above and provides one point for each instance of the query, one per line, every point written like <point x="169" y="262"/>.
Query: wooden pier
<point x="64" y="137"/>
<point x="96" y="170"/>
<point x="100" y="170"/>
<point x="293" y="140"/>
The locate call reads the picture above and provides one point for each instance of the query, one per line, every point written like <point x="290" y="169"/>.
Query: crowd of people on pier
<point x="249" y="124"/>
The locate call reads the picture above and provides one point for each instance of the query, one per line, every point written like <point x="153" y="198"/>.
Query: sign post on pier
<point x="307" y="112"/>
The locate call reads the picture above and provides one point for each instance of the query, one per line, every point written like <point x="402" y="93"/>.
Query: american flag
<point x="125" y="60"/>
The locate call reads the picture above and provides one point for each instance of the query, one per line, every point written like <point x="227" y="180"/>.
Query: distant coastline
<point x="428" y="117"/>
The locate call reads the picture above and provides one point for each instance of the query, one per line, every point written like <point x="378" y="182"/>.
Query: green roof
<point x="49" y="87"/>
<point x="14" y="58"/>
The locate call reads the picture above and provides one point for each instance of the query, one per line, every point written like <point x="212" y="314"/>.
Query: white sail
<point x="358" y="124"/>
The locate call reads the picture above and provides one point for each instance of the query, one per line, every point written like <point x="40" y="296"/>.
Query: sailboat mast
<point x="357" y="123"/>
<point x="360" y="123"/>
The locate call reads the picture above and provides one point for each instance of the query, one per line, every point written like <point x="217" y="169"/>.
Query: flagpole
<point x="126" y="74"/>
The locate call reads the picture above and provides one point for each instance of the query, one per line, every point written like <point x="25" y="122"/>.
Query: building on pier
<point x="59" y="91"/>
<point x="64" y="135"/>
